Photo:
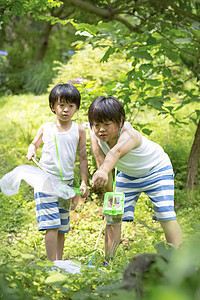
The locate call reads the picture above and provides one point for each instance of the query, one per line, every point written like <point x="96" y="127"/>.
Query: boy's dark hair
<point x="105" y="109"/>
<point x="66" y="92"/>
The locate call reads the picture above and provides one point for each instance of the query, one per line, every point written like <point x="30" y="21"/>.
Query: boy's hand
<point x="85" y="190"/>
<point x="100" y="178"/>
<point x="30" y="154"/>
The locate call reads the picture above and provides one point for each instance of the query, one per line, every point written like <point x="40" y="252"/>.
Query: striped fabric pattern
<point x="49" y="214"/>
<point x="158" y="186"/>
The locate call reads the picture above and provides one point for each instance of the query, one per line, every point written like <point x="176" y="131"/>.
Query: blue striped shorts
<point x="51" y="212"/>
<point x="158" y="186"/>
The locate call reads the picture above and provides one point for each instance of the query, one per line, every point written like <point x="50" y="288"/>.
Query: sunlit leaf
<point x="153" y="82"/>
<point x="55" y="277"/>
<point x="141" y="54"/>
<point x="146" y="131"/>
<point x="106" y="56"/>
<point x="183" y="41"/>
<point x="156" y="102"/>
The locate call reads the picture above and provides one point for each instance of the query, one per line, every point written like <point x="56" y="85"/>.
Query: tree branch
<point x="171" y="42"/>
<point x="184" y="13"/>
<point x="57" y="12"/>
<point x="67" y="15"/>
<point x="101" y="12"/>
<point x="108" y="14"/>
<point x="127" y="24"/>
<point x="112" y="13"/>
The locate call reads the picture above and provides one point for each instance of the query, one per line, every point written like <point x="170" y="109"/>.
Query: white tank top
<point x="144" y="160"/>
<point x="67" y="142"/>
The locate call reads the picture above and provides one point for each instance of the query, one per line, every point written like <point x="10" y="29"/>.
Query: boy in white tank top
<point x="63" y="136"/>
<point x="143" y="165"/>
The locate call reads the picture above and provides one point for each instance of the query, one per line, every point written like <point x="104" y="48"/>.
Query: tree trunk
<point x="192" y="167"/>
<point x="44" y="43"/>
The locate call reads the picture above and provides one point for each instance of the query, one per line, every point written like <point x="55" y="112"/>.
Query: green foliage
<point x="38" y="77"/>
<point x="32" y="79"/>
<point x="23" y="38"/>
<point x="162" y="57"/>
<point x="28" y="114"/>
<point x="10" y="8"/>
<point x="85" y="64"/>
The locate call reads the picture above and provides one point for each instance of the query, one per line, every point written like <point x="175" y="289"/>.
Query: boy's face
<point x="64" y="110"/>
<point x="106" y="131"/>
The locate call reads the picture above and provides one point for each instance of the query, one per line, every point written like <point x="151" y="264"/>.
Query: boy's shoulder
<point x="128" y="125"/>
<point x="47" y="124"/>
<point x="81" y="128"/>
<point x="78" y="127"/>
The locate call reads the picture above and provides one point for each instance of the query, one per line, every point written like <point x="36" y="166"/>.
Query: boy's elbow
<point x="118" y="153"/>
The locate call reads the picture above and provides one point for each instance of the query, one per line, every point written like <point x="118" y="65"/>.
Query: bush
<point x="32" y="79"/>
<point x="87" y="64"/>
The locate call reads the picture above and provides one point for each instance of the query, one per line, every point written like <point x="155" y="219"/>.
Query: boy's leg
<point x="160" y="189"/>
<point x="48" y="216"/>
<point x="64" y="228"/>
<point x="51" y="239"/>
<point x="112" y="239"/>
<point x="172" y="232"/>
<point x="60" y="245"/>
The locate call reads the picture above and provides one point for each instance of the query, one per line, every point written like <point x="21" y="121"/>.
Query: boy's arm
<point x="99" y="158"/>
<point x="35" y="144"/>
<point x="129" y="139"/>
<point x="83" y="161"/>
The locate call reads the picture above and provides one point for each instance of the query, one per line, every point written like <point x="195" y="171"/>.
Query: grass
<point x="22" y="254"/>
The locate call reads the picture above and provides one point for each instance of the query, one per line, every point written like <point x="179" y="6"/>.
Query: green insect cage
<point x="113" y="204"/>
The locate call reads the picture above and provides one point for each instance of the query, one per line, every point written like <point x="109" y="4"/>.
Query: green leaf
<point x="134" y="76"/>
<point x="141" y="54"/>
<point x="106" y="56"/>
<point x="198" y="112"/>
<point x="170" y="108"/>
<point x="122" y="77"/>
<point x="188" y="62"/>
<point x="165" y="92"/>
<point x="153" y="82"/>
<point x="196" y="25"/>
<point x="146" y="67"/>
<point x="111" y="85"/>
<point x="84" y="27"/>
<point x="55" y="277"/>
<point x="147" y="132"/>
<point x="179" y="83"/>
<point x="166" y="72"/>
<point x="172" y="55"/>
<point x="151" y="40"/>
<point x="183" y="41"/>
<point x="175" y="89"/>
<point x="156" y="102"/>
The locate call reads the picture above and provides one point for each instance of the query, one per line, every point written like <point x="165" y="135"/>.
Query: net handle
<point x="115" y="176"/>
<point x="35" y="161"/>
<point x="58" y="156"/>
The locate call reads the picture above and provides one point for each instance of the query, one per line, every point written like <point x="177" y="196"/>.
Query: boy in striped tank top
<point x="60" y="141"/>
<point x="143" y="165"/>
